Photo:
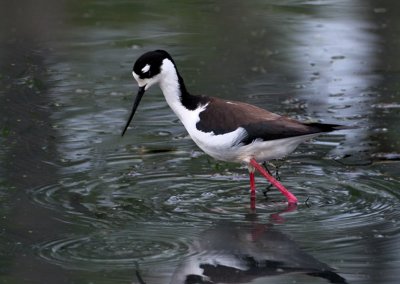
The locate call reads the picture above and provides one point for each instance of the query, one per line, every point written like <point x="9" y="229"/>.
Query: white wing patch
<point x="146" y="68"/>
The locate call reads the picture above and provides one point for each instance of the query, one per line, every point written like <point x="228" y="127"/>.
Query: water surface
<point x="80" y="204"/>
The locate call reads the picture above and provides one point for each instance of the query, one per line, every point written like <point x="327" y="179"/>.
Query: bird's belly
<point x="259" y="150"/>
<point x="221" y="147"/>
<point x="270" y="150"/>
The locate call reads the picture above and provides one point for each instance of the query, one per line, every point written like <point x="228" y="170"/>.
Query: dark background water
<point x="80" y="204"/>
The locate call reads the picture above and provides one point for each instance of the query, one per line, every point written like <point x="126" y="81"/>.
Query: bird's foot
<point x="306" y="202"/>
<point x="266" y="190"/>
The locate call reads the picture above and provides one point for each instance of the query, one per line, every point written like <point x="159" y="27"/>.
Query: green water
<point x="80" y="204"/>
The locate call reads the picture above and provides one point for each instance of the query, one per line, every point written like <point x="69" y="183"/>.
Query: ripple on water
<point x="346" y="206"/>
<point x="349" y="197"/>
<point x="354" y="201"/>
<point x="353" y="216"/>
<point x="120" y="249"/>
<point x="92" y="203"/>
<point x="344" y="198"/>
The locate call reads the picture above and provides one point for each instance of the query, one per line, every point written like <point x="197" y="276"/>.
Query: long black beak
<point x="135" y="105"/>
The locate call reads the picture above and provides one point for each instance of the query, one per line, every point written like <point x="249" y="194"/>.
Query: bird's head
<point x="147" y="71"/>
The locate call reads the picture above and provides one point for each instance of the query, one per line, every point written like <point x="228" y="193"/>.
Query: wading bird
<point x="226" y="130"/>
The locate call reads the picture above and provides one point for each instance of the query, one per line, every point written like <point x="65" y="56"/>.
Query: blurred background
<point x="80" y="204"/>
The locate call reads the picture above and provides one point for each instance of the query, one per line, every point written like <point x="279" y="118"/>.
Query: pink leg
<point x="252" y="191"/>
<point x="289" y="196"/>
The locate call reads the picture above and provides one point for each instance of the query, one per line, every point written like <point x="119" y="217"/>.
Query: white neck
<point x="169" y="84"/>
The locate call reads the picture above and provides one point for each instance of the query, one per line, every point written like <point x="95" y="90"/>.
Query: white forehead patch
<point x="146" y="68"/>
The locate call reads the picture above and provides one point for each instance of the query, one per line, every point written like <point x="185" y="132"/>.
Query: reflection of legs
<point x="277" y="218"/>
<point x="289" y="196"/>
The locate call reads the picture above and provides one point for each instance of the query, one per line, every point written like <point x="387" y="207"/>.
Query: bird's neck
<point x="175" y="92"/>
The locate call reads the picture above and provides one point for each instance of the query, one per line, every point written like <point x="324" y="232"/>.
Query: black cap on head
<point x="148" y="65"/>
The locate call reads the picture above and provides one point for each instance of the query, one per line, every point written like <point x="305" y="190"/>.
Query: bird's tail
<point x="324" y="127"/>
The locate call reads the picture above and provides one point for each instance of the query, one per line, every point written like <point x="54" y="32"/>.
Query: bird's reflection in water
<point x="242" y="252"/>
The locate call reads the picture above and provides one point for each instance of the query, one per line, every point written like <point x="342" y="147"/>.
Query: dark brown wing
<point x="222" y="116"/>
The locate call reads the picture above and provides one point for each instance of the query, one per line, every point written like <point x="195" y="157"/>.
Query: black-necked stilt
<point x="226" y="130"/>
